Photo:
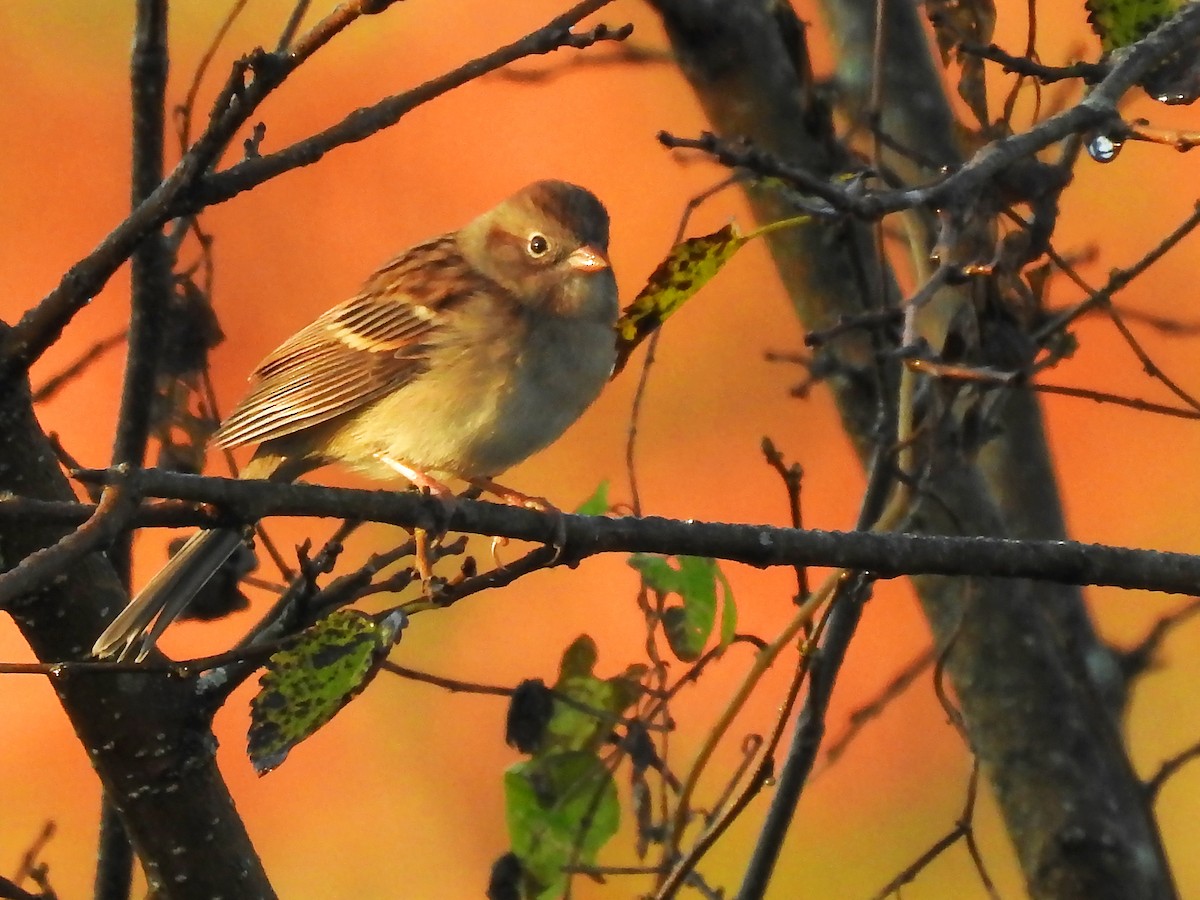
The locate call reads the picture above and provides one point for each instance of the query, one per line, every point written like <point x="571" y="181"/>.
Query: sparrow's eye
<point x="538" y="245"/>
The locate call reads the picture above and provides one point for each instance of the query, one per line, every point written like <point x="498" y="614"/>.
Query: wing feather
<point x="372" y="344"/>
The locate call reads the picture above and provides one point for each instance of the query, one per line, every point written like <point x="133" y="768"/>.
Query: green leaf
<point x="307" y="683"/>
<point x="579" y="658"/>
<point x="1119" y="23"/>
<point x="597" y="504"/>
<point x="695" y="579"/>
<point x="584" y="720"/>
<point x="728" y="609"/>
<point x="561" y="809"/>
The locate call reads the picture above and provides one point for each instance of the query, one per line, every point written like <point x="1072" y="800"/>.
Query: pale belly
<point x="485" y="413"/>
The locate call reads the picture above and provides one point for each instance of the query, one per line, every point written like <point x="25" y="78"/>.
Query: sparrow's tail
<point x="160" y="602"/>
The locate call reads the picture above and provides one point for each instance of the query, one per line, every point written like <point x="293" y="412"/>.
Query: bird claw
<point x="539" y="504"/>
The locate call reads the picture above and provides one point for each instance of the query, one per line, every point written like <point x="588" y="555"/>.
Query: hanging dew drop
<point x="1103" y="149"/>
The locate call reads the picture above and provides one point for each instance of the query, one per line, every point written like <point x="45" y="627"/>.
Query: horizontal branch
<point x="883" y="555"/>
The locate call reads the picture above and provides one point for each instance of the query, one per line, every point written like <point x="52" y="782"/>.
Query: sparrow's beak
<point x="588" y="259"/>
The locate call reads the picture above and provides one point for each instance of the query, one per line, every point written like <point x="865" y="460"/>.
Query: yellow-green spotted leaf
<point x="560" y="810"/>
<point x="305" y="684"/>
<point x="1119" y="23"/>
<point x="697" y="580"/>
<point x="689" y="266"/>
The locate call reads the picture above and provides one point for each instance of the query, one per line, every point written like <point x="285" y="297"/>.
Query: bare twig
<point x="1002" y="380"/>
<point x="293" y="25"/>
<point x="1088" y="73"/>
<point x="626" y="55"/>
<point x="1169" y="767"/>
<point x="1104" y="302"/>
<point x="186" y="110"/>
<point x="639" y="395"/>
<point x="792" y="477"/>
<point x="869" y="711"/>
<point x="30" y="867"/>
<point x="1137" y="659"/>
<point x="109" y="519"/>
<point x="453" y="685"/>
<point x="964" y="830"/>
<point x="1117" y="280"/>
<point x="55" y="383"/>
<point x="1140" y="130"/>
<point x="150" y="273"/>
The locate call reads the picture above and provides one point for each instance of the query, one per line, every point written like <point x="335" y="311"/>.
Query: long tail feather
<point x="162" y="600"/>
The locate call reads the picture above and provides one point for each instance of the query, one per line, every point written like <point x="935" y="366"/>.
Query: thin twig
<point x="1137" y="659"/>
<point x="1002" y="380"/>
<point x="792" y="477"/>
<point x="1140" y="130"/>
<point x="1117" y="279"/>
<point x="628" y="54"/>
<point x="1098" y="108"/>
<point x="453" y="685"/>
<point x="292" y="25"/>
<point x="639" y="395"/>
<point x="962" y="830"/>
<point x="1088" y="73"/>
<point x="186" y="110"/>
<point x="55" y="383"/>
<point x="1169" y="767"/>
<point x="110" y="518"/>
<point x="864" y="714"/>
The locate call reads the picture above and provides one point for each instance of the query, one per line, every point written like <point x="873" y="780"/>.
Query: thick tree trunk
<point x="1023" y="658"/>
<point x="146" y="735"/>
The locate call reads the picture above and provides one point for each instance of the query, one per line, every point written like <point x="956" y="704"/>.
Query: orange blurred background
<point x="401" y="794"/>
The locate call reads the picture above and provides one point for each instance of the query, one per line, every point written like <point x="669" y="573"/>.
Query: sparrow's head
<point x="547" y="244"/>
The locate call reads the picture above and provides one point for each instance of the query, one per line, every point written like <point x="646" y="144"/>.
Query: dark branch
<point x="882" y="555"/>
<point x="1089" y="73"/>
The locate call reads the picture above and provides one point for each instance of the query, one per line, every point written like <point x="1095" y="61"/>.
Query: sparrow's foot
<point x="511" y="497"/>
<point x="540" y="504"/>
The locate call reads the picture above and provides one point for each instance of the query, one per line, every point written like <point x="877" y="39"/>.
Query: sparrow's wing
<point x="360" y="350"/>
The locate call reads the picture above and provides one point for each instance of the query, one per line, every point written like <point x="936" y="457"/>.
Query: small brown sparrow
<point x="459" y="358"/>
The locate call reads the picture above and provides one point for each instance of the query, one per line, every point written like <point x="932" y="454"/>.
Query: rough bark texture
<point x="146" y="735"/>
<point x="1025" y="678"/>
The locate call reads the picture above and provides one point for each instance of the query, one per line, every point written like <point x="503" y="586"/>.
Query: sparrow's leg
<point x="418" y="478"/>
<point x="421" y="535"/>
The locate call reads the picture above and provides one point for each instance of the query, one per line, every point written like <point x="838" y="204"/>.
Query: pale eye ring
<point x="538" y="246"/>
